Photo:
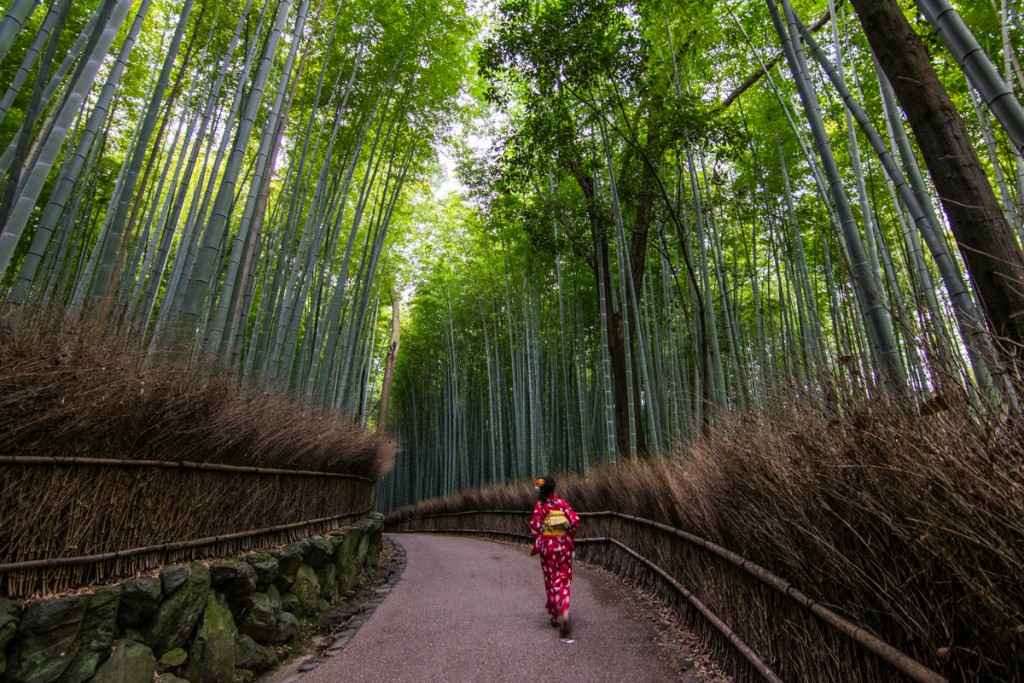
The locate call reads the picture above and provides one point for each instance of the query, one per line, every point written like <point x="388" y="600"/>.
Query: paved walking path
<point x="471" y="610"/>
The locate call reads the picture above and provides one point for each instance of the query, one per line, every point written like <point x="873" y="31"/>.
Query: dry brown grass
<point x="77" y="390"/>
<point x="910" y="525"/>
<point x="80" y="391"/>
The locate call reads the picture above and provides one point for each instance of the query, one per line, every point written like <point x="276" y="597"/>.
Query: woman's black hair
<point x="545" y="487"/>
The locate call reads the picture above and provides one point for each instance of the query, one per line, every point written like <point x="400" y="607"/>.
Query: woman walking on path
<point x="554" y="524"/>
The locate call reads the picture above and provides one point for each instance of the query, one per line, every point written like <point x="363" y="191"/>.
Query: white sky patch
<point x="480" y="139"/>
<point x="449" y="181"/>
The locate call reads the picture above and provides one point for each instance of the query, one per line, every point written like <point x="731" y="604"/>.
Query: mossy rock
<point x="8" y="627"/>
<point x="376" y="540"/>
<point x="346" y="562"/>
<point x="140" y="599"/>
<point x="318" y="553"/>
<point x="348" y="580"/>
<point x="290" y="603"/>
<point x="306" y="588"/>
<point x="372" y="560"/>
<point x="95" y="637"/>
<point x="287" y="627"/>
<point x="64" y="639"/>
<point x="233" y="579"/>
<point x="236" y="581"/>
<point x="337" y="540"/>
<point x="133" y="634"/>
<point x="265" y="568"/>
<point x="363" y="548"/>
<point x="129" y="662"/>
<point x="252" y="656"/>
<point x="46" y="634"/>
<point x="275" y="597"/>
<point x="170" y="678"/>
<point x="346" y="549"/>
<point x="9" y="607"/>
<point x="213" y="651"/>
<point x="176" y="619"/>
<point x="362" y="553"/>
<point x="260" y="620"/>
<point x="172" y="578"/>
<point x="172" y="660"/>
<point x="288" y="562"/>
<point x="328" y="578"/>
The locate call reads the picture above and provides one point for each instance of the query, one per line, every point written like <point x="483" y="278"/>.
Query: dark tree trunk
<point x="984" y="237"/>
<point x="638" y="266"/>
<point x="389" y="366"/>
<point x="598" y="260"/>
<point x="616" y="354"/>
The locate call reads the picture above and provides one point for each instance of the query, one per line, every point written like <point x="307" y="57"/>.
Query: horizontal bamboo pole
<point x="168" y="547"/>
<point x="907" y="665"/>
<point x="723" y="628"/>
<point x="897" y="659"/>
<point x="475" y="512"/>
<point x="168" y="464"/>
<point x="467" y="532"/>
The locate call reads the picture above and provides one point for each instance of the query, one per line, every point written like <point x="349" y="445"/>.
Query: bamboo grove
<point x="221" y="176"/>
<point x="671" y="210"/>
<point x="694" y="207"/>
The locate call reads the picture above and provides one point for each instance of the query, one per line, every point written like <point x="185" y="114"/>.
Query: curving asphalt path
<point x="472" y="610"/>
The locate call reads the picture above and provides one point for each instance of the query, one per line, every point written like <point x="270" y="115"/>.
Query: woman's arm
<point x="574" y="519"/>
<point x="536" y="525"/>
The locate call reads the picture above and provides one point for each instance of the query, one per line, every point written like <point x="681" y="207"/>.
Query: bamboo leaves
<point x="236" y="137"/>
<point x="654" y="239"/>
<point x="766" y="275"/>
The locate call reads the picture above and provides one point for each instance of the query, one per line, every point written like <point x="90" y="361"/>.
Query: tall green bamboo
<point x="979" y="348"/>
<point x="14" y="20"/>
<point x="108" y="249"/>
<point x="869" y="291"/>
<point x="71" y="172"/>
<point x="217" y="337"/>
<point x="977" y="66"/>
<point x="46" y="29"/>
<point x="113" y="14"/>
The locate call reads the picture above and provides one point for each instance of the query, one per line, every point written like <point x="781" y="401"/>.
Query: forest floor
<point x="471" y="610"/>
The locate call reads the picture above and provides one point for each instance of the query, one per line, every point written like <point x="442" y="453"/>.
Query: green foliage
<point x="634" y="188"/>
<point x="602" y="108"/>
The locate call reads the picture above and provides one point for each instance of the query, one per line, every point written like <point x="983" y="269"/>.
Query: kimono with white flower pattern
<point x="556" y="552"/>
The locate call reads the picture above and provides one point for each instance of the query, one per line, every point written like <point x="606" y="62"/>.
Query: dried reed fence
<point x="910" y="526"/>
<point x="73" y="522"/>
<point x="116" y="459"/>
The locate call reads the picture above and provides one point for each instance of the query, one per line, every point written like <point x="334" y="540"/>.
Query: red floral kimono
<point x="556" y="552"/>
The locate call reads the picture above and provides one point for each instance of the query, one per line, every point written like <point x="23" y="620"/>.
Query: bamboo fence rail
<point x="898" y="661"/>
<point x="171" y="547"/>
<point x="72" y="521"/>
<point x="168" y="464"/>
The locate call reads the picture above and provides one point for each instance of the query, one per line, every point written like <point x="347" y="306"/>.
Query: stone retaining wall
<point x="197" y="623"/>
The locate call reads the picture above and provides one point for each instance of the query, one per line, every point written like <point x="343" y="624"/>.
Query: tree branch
<point x="757" y="75"/>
